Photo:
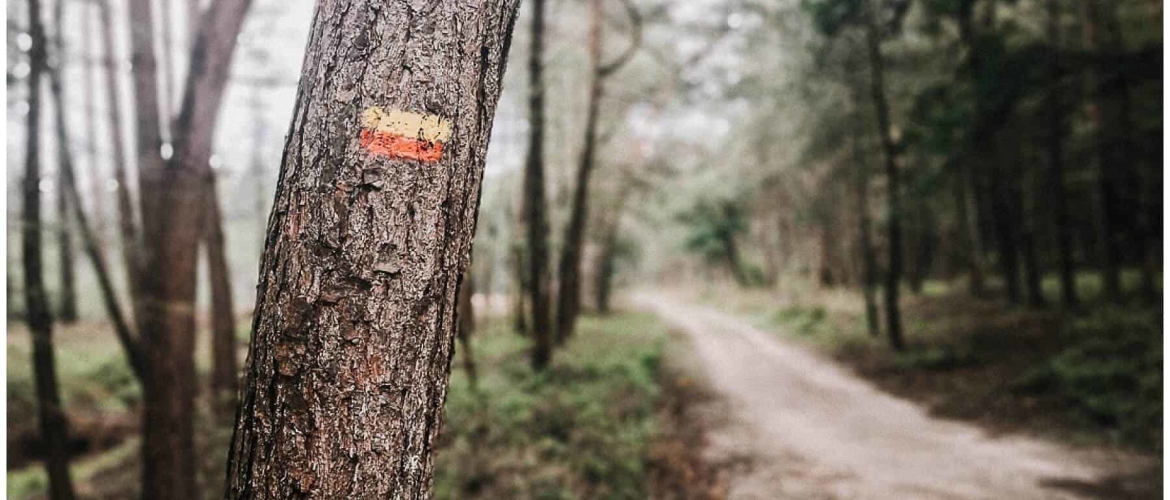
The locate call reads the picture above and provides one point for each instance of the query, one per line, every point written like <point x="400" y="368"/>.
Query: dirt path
<point x="813" y="430"/>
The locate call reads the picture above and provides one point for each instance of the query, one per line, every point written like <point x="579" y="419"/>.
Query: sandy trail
<point x="814" y="430"/>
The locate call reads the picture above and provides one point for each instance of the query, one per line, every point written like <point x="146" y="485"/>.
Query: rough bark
<point x="355" y="312"/>
<point x="569" y="269"/>
<point x="127" y="219"/>
<point x="535" y="218"/>
<point x="889" y="149"/>
<point x="40" y="322"/>
<point x="466" y="315"/>
<point x="224" y="368"/>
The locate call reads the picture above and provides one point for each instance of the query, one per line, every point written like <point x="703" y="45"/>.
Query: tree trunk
<point x="967" y="213"/>
<point x="225" y="370"/>
<point x="67" y="299"/>
<point x="126" y="337"/>
<point x="1056" y="133"/>
<point x="569" y="271"/>
<point x="1003" y="207"/>
<point x="127" y="220"/>
<point x="96" y="177"/>
<point x="534" y="204"/>
<point x="40" y="322"/>
<point x="167" y="51"/>
<point x="172" y="221"/>
<point x="466" y="315"/>
<point x="355" y="311"/>
<point x="1027" y="222"/>
<point x="868" y="258"/>
<point x="520" y="282"/>
<point x="882" y="110"/>
<point x="607" y="264"/>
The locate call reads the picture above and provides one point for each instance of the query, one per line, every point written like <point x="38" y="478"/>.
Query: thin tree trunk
<point x="92" y="247"/>
<point x="127" y="220"/>
<point x="534" y="198"/>
<point x="569" y="291"/>
<point x="878" y="94"/>
<point x="355" y="311"/>
<point x="67" y="300"/>
<point x="466" y="315"/>
<point x="569" y="282"/>
<point x="1003" y="208"/>
<point x="49" y="410"/>
<point x="1056" y="133"/>
<point x="1026" y="197"/>
<point x="520" y="284"/>
<point x="225" y="369"/>
<point x="868" y="258"/>
<point x="607" y="264"/>
<point x="968" y="213"/>
<point x="1111" y="158"/>
<point x="96" y="177"/>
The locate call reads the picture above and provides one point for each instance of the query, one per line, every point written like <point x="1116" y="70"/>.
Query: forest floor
<point x="608" y="419"/>
<point x="823" y="411"/>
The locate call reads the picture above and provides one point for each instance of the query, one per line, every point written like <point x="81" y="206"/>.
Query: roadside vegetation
<point x="596" y="424"/>
<point x="1091" y="377"/>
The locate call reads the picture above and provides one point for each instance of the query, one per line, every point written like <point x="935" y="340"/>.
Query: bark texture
<point x="40" y="321"/>
<point x="355" y="318"/>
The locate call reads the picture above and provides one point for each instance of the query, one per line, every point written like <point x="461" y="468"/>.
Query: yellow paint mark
<point x="428" y="127"/>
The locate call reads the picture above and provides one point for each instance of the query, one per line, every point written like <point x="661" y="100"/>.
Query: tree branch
<point x="606" y="70"/>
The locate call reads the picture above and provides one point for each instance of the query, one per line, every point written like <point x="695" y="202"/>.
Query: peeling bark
<point x="355" y="312"/>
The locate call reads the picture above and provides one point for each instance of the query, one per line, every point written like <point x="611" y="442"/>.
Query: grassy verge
<point x="585" y="428"/>
<point x="1090" y="378"/>
<point x="582" y="429"/>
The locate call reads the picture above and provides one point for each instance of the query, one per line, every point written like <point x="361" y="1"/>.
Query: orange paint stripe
<point x="398" y="146"/>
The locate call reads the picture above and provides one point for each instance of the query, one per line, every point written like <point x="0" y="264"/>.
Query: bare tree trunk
<point x="1109" y="118"/>
<point x="126" y="337"/>
<point x="535" y="217"/>
<point x="878" y="94"/>
<point x="40" y="322"/>
<point x="1027" y="222"/>
<point x="167" y="51"/>
<point x="868" y="258"/>
<point x="127" y="220"/>
<point x="569" y="277"/>
<point x="1056" y="133"/>
<point x="225" y="370"/>
<point x="97" y="178"/>
<point x="67" y="300"/>
<point x="520" y="288"/>
<point x="466" y="315"/>
<point x="172" y="212"/>
<point x="607" y="260"/>
<point x="355" y="311"/>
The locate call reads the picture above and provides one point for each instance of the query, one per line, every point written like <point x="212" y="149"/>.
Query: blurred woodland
<point x="959" y="201"/>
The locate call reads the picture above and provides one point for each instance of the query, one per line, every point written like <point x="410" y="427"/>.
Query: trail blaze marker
<point x="402" y="134"/>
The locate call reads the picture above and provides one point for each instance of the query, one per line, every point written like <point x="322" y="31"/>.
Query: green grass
<point x="579" y="430"/>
